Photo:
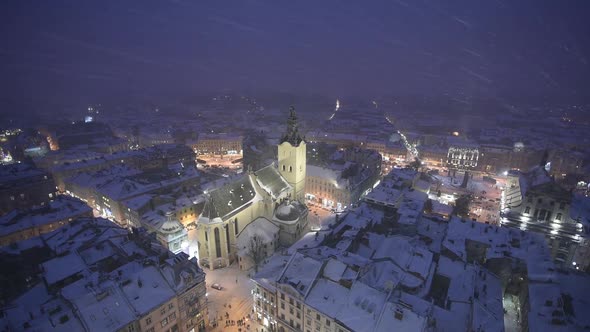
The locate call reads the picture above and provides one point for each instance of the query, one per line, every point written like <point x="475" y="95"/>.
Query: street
<point x="234" y="299"/>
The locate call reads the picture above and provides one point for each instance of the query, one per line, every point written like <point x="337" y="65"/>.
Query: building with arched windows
<point x="266" y="193"/>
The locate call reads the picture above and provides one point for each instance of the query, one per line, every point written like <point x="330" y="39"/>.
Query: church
<point x="273" y="196"/>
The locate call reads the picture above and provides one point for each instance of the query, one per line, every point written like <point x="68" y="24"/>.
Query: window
<point x="298" y="314"/>
<point x="527" y="210"/>
<point x="291" y="301"/>
<point x="282" y="296"/>
<point x="317" y="316"/>
<point x="206" y="237"/>
<point x="170" y="305"/>
<point x="539" y="200"/>
<point x="308" y="322"/>
<point x="162" y="311"/>
<point x="172" y="316"/>
<point x="164" y="322"/>
<point x="283" y="305"/>
<point x="561" y="206"/>
<point x="558" y="217"/>
<point x="298" y="305"/>
<point x="217" y="242"/>
<point x="327" y="322"/>
<point x="291" y="311"/>
<point x="283" y="168"/>
<point x="290" y="169"/>
<point x="236" y="226"/>
<point x="148" y="321"/>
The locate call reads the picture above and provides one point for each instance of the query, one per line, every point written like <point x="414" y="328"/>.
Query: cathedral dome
<point x="290" y="212"/>
<point x="287" y="212"/>
<point x="171" y="225"/>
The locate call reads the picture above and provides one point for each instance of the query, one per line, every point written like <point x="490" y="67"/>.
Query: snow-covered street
<point x="234" y="301"/>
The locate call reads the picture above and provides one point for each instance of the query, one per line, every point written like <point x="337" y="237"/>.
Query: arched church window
<point x="217" y="242"/>
<point x="290" y="169"/>
<point x="283" y="168"/>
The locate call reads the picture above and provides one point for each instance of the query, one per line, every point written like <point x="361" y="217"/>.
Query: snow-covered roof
<point x="361" y="310"/>
<point x="62" y="208"/>
<point x="105" y="308"/>
<point x="147" y="288"/>
<point x="271" y="181"/>
<point x="106" y="297"/>
<point x="289" y="212"/>
<point x="397" y="317"/>
<point x="62" y="267"/>
<point x="301" y="272"/>
<point x="229" y="199"/>
<point x="261" y="227"/>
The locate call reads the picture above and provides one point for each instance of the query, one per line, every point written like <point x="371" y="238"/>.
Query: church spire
<point x="292" y="135"/>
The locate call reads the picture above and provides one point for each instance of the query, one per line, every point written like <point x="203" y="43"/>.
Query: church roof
<point x="552" y="189"/>
<point x="271" y="180"/>
<point x="229" y="199"/>
<point x="262" y="227"/>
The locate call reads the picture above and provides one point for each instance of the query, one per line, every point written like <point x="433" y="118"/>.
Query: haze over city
<point x="68" y="52"/>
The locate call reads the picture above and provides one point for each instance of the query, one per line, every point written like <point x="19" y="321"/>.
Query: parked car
<point x="216" y="286"/>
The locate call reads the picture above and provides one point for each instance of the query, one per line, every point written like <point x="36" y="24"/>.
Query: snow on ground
<point x="237" y="284"/>
<point x="512" y="321"/>
<point x="235" y="293"/>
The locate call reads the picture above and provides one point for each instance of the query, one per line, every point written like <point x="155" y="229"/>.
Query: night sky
<point x="77" y="51"/>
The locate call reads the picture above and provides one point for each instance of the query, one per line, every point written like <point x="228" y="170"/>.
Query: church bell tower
<point x="292" y="157"/>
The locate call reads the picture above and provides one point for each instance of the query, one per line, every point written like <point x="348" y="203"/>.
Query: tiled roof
<point x="271" y="180"/>
<point x="229" y="199"/>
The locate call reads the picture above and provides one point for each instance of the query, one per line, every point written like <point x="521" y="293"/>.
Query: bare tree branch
<point x="256" y="251"/>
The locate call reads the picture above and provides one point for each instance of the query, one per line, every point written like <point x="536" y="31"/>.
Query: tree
<point x="428" y="206"/>
<point x="415" y="164"/>
<point x="256" y="251"/>
<point x="462" y="206"/>
<point x="465" y="180"/>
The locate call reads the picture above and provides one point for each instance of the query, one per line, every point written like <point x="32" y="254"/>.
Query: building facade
<point x="218" y="144"/>
<point x="292" y="158"/>
<point x="23" y="186"/>
<point x="228" y="210"/>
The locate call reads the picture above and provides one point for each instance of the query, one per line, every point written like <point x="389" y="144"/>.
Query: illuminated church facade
<point x="274" y="194"/>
